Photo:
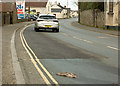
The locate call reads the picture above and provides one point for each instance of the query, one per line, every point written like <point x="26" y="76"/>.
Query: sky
<point x="64" y="2"/>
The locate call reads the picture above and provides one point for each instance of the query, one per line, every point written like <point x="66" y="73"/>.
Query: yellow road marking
<point x="45" y="79"/>
<point x="33" y="61"/>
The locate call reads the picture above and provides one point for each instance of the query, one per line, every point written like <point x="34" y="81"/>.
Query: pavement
<point x="8" y="73"/>
<point x="100" y="30"/>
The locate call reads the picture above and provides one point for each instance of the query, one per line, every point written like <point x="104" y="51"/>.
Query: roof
<point x="47" y="14"/>
<point x="36" y="4"/>
<point x="60" y="6"/>
<point x="7" y="7"/>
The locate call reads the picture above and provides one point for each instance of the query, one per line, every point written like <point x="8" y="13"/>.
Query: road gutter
<point x="15" y="62"/>
<point x="36" y="60"/>
<point x="110" y="34"/>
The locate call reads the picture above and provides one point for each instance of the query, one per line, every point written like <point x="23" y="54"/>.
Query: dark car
<point x="33" y="17"/>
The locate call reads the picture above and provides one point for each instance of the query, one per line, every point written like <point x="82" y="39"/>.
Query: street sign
<point x="20" y="8"/>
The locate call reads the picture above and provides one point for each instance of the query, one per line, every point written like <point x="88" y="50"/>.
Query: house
<point x="58" y="10"/>
<point x="112" y="15"/>
<point x="8" y="12"/>
<point x="36" y="7"/>
<point x="74" y="13"/>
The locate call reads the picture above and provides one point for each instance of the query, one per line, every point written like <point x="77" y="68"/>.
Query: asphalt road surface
<point x="92" y="56"/>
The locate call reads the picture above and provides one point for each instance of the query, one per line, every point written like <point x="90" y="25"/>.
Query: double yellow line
<point x="36" y="60"/>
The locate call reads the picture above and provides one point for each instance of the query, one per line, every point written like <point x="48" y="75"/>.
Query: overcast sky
<point x="64" y="2"/>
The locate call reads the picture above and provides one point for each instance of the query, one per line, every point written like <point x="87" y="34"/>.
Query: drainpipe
<point x="78" y="12"/>
<point x="105" y="14"/>
<point x="29" y="11"/>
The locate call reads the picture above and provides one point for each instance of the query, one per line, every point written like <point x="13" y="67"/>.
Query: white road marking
<point x="87" y="41"/>
<point x="38" y="61"/>
<point x="101" y="37"/>
<point x="65" y="34"/>
<point x="82" y="39"/>
<point x="77" y="38"/>
<point x="113" y="48"/>
<point x="15" y="62"/>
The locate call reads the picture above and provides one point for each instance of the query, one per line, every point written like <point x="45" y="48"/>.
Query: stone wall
<point x="119" y="14"/>
<point x="9" y="18"/>
<point x="100" y="21"/>
<point x="92" y="18"/>
<point x="0" y="18"/>
<point x="86" y="17"/>
<point x="5" y="18"/>
<point x="14" y="16"/>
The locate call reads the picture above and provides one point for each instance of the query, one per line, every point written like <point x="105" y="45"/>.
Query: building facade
<point x="112" y="15"/>
<point x="36" y="7"/>
<point x="58" y="10"/>
<point x="8" y="12"/>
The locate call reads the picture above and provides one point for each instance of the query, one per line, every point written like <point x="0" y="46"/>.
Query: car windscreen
<point x="47" y="17"/>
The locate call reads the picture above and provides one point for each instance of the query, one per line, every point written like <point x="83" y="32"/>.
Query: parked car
<point x="47" y="21"/>
<point x="33" y="17"/>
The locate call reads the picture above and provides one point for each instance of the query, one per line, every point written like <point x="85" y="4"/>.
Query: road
<point x="93" y="56"/>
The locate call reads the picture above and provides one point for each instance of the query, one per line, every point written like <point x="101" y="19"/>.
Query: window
<point x="47" y="17"/>
<point x="111" y="6"/>
<point x="56" y="10"/>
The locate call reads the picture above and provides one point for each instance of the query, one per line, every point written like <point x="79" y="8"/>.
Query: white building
<point x="36" y="7"/>
<point x="58" y="10"/>
<point x="112" y="15"/>
<point x="74" y="13"/>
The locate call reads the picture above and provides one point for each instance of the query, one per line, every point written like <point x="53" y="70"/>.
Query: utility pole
<point x="78" y="12"/>
<point x="67" y="3"/>
<point x="29" y="11"/>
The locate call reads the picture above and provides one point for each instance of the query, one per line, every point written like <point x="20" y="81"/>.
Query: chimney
<point x="64" y="6"/>
<point x="50" y="3"/>
<point x="55" y="3"/>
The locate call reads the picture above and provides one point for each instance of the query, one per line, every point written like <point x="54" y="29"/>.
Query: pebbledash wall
<point x="119" y="14"/>
<point x="92" y="18"/>
<point x="112" y="15"/>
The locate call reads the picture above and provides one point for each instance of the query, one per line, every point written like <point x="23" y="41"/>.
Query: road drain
<point x="66" y="74"/>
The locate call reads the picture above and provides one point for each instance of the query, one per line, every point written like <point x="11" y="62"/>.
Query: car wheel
<point x="36" y="29"/>
<point x="57" y="30"/>
<point x="53" y="30"/>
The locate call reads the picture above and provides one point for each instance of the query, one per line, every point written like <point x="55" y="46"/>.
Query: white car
<point x="47" y="21"/>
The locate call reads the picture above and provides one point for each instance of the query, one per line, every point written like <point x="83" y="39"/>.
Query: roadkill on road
<point x="66" y="74"/>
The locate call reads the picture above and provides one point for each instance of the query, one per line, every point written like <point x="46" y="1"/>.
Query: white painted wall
<point x="39" y="9"/>
<point x="49" y="6"/>
<point x="112" y="20"/>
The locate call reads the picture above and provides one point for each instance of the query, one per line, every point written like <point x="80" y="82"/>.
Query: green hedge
<point x="91" y="5"/>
